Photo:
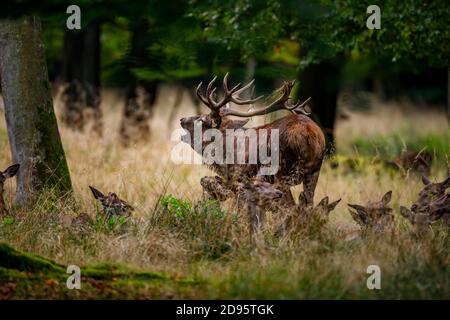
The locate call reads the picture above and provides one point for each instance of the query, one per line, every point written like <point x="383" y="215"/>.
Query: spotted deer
<point x="8" y="173"/>
<point x="215" y="188"/>
<point x="259" y="196"/>
<point x="112" y="205"/>
<point x="433" y="204"/>
<point x="375" y="216"/>
<point x="307" y="216"/>
<point x="301" y="141"/>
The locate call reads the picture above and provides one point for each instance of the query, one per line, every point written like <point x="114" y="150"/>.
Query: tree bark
<point x="448" y="95"/>
<point x="81" y="73"/>
<point x="321" y="82"/>
<point x="135" y="124"/>
<point x="141" y="94"/>
<point x="32" y="128"/>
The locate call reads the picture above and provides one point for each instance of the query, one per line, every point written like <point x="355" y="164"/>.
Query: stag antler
<point x="282" y="102"/>
<point x="229" y="95"/>
<point x="232" y="95"/>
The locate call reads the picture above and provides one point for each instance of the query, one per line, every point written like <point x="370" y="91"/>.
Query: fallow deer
<point x="432" y="205"/>
<point x="112" y="205"/>
<point x="375" y="216"/>
<point x="8" y="173"/>
<point x="301" y="141"/>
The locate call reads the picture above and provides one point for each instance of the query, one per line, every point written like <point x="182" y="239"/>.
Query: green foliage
<point x="175" y="207"/>
<point x="113" y="224"/>
<point x="410" y="30"/>
<point x="209" y="229"/>
<point x="7" y="221"/>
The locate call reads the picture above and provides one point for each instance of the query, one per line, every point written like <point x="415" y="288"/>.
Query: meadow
<point x="177" y="246"/>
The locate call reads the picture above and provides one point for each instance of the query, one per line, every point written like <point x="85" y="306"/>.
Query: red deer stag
<point x="301" y="141"/>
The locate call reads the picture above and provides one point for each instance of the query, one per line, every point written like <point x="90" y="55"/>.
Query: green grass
<point x="389" y="146"/>
<point x="176" y="245"/>
<point x="25" y="276"/>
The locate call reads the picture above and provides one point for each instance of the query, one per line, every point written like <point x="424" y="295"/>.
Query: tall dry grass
<point x="208" y="243"/>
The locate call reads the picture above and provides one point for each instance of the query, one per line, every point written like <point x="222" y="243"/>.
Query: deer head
<point x="429" y="193"/>
<point x="8" y="173"/>
<point x="261" y="193"/>
<point x="433" y="204"/>
<point x="112" y="205"/>
<point x="220" y="109"/>
<point x="215" y="188"/>
<point x="321" y="212"/>
<point x="376" y="215"/>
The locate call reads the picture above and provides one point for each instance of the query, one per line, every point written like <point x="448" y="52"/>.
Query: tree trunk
<point x="135" y="125"/>
<point x="321" y="82"/>
<point x="448" y="95"/>
<point x="81" y="93"/>
<point x="141" y="94"/>
<point x="30" y="119"/>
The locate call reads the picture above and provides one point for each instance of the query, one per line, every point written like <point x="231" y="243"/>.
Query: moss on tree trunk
<point x="32" y="128"/>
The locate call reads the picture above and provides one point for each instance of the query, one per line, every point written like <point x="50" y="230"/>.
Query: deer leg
<point x="256" y="218"/>
<point x="309" y="186"/>
<point x="287" y="200"/>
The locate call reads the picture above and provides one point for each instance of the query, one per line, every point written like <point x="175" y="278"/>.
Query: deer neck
<point x="3" y="210"/>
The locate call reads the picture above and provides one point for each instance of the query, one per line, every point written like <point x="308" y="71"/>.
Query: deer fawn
<point x="301" y="141"/>
<point x="259" y="196"/>
<point x="215" y="188"/>
<point x="412" y="161"/>
<point x="307" y="216"/>
<point x="432" y="205"/>
<point x="375" y="216"/>
<point x="8" y="173"/>
<point x="112" y="205"/>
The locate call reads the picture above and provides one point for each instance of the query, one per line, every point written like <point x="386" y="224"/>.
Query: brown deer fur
<point x="375" y="216"/>
<point x="301" y="148"/>
<point x="8" y="173"/>
<point x="433" y="204"/>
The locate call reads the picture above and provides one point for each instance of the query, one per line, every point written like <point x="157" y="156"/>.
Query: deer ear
<point x="11" y="171"/>
<point x="302" y="199"/>
<point x="97" y="194"/>
<point x="323" y="202"/>
<point x="425" y="180"/>
<point x="238" y="124"/>
<point x="333" y="205"/>
<point x="446" y="183"/>
<point x="357" y="207"/>
<point x="359" y="217"/>
<point x="387" y="197"/>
